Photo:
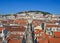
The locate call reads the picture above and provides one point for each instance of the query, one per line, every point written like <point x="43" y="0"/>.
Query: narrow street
<point x="29" y="35"/>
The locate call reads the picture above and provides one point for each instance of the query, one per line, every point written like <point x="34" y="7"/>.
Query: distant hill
<point x="45" y="13"/>
<point x="35" y="12"/>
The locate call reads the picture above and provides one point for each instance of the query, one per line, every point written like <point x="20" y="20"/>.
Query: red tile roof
<point x="1" y="28"/>
<point x="15" y="28"/>
<point x="52" y="26"/>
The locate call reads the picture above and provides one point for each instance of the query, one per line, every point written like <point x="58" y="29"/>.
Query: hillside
<point x="34" y="12"/>
<point x="28" y="12"/>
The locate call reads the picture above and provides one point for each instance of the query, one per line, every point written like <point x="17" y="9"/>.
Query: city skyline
<point x="14" y="6"/>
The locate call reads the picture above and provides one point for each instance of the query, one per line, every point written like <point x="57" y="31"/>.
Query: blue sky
<point x="14" y="6"/>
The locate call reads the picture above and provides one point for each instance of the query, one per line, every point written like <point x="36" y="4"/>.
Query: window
<point x="58" y="29"/>
<point x="0" y="34"/>
<point x="41" y="34"/>
<point x="54" y="29"/>
<point x="48" y="29"/>
<point x="37" y="34"/>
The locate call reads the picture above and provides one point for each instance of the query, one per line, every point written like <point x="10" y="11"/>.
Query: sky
<point x="14" y="6"/>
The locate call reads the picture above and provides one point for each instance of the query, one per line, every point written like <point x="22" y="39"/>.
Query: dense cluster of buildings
<point x="45" y="28"/>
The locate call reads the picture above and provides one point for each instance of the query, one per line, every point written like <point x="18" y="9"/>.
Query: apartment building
<point x="16" y="33"/>
<point x="12" y="17"/>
